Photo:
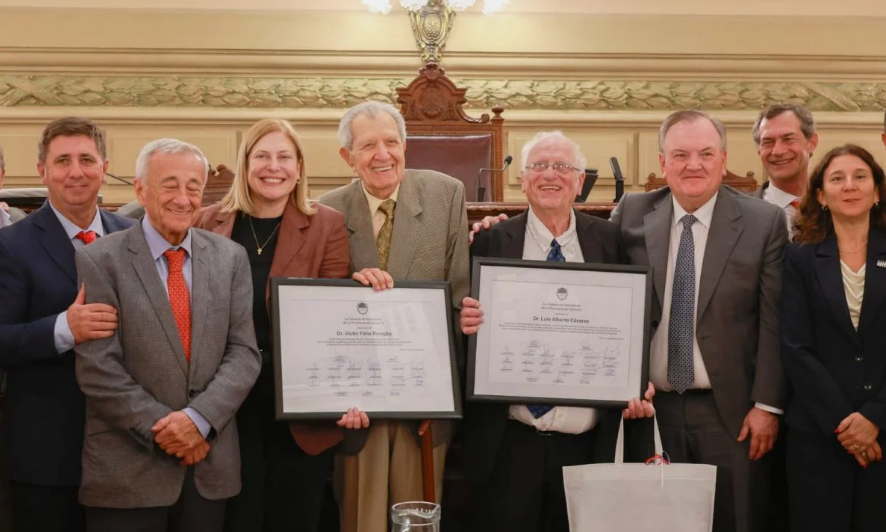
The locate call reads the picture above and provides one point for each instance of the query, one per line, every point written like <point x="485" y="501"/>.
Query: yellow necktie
<point x="383" y="240"/>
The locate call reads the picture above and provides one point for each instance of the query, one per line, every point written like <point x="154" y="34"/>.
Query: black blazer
<point x="834" y="370"/>
<point x="43" y="416"/>
<point x="484" y="423"/>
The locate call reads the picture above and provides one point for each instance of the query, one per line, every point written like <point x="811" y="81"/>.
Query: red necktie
<point x="88" y="237"/>
<point x="179" y="298"/>
<point x="796" y="204"/>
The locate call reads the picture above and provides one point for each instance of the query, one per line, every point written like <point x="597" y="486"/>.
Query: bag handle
<point x="619" y="442"/>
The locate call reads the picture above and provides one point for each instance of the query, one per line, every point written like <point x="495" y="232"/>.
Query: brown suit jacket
<point x="309" y="246"/>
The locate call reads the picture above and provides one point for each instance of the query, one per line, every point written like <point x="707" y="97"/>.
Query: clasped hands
<point x="178" y="436"/>
<point x="859" y="437"/>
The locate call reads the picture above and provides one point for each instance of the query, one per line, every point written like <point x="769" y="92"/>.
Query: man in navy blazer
<point x="42" y="317"/>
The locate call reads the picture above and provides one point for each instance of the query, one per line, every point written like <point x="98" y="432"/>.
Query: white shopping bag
<point x="621" y="497"/>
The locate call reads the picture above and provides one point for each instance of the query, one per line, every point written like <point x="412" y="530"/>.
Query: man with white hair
<point x="408" y="225"/>
<point x="515" y="454"/>
<point x="8" y="215"/>
<point x="161" y="448"/>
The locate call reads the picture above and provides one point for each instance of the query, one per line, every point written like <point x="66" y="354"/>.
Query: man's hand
<point x="378" y="279"/>
<point x="177" y="435"/>
<point x="856" y="433"/>
<point x="90" y="321"/>
<point x="471" y="315"/>
<point x="762" y="426"/>
<point x="194" y="456"/>
<point x="639" y="409"/>
<point x="4" y="206"/>
<point x="485" y="223"/>
<point x="354" y="419"/>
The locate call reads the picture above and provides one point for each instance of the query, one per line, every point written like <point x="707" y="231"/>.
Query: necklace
<point x="853" y="251"/>
<point x="260" y="247"/>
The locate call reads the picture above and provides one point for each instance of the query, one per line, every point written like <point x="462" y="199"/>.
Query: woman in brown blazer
<point x="268" y="212"/>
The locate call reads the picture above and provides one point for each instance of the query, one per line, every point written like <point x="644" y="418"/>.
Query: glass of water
<point x="415" y="516"/>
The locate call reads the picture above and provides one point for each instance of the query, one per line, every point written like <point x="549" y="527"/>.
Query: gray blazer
<point x="430" y="237"/>
<point x="140" y="375"/>
<point x="738" y="295"/>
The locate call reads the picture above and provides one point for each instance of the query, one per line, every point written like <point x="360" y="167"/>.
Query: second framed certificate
<point x="559" y="333"/>
<point x="338" y="345"/>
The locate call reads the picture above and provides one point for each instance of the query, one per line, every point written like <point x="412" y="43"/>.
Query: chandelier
<point x="432" y="20"/>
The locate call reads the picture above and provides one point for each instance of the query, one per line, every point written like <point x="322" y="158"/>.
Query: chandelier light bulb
<point x="378" y="6"/>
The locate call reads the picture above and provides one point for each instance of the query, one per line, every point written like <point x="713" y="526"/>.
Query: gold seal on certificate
<point x="559" y="333"/>
<point x="338" y="344"/>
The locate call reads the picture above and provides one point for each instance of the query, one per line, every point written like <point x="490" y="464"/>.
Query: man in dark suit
<point x="42" y="317"/>
<point x="785" y="137"/>
<point x="515" y="454"/>
<point x="161" y="450"/>
<point x="714" y="358"/>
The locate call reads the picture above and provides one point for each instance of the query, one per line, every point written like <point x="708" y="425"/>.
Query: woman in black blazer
<point x="833" y="343"/>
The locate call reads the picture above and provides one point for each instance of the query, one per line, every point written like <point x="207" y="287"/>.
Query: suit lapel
<point x="590" y="245"/>
<point x="407" y="230"/>
<point x="657" y="234"/>
<point x="201" y="283"/>
<point x="55" y="241"/>
<point x="144" y="266"/>
<point x="292" y="239"/>
<point x="722" y="237"/>
<point x="512" y="246"/>
<point x="362" y="240"/>
<point x="874" y="281"/>
<point x="110" y="223"/>
<point x="830" y="277"/>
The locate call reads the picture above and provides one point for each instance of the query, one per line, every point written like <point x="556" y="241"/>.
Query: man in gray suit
<point x="785" y="137"/>
<point x="161" y="449"/>
<point x="716" y="259"/>
<point x="408" y="225"/>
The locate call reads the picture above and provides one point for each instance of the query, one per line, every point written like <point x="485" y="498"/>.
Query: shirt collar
<point x="71" y="228"/>
<point x="777" y="196"/>
<point x="4" y="218"/>
<point x="157" y="244"/>
<point x="703" y="214"/>
<point x="375" y="202"/>
<point x="543" y="236"/>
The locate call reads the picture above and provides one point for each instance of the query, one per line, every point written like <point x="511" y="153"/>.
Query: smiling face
<point x="550" y="191"/>
<point x="272" y="170"/>
<point x="693" y="162"/>
<point x="848" y="188"/>
<point x="73" y="173"/>
<point x="377" y="154"/>
<point x="784" y="150"/>
<point x="171" y="193"/>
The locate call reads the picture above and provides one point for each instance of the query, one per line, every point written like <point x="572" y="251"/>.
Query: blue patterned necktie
<point x="681" y="328"/>
<point x="555" y="255"/>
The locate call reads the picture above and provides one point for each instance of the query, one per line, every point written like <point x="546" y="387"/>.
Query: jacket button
<point x="859" y="359"/>
<point x="868" y="387"/>
<point x="192" y="393"/>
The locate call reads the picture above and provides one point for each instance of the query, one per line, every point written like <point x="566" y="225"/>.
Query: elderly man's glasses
<point x="559" y="168"/>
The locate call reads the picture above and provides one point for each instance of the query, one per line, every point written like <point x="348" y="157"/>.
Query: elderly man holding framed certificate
<point x="549" y="342"/>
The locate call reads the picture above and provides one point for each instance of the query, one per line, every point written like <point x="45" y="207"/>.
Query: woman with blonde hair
<point x="832" y="331"/>
<point x="267" y="211"/>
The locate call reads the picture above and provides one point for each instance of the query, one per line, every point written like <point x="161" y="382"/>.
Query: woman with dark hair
<point x="833" y="333"/>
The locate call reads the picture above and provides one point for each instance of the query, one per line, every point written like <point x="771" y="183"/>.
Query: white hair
<point x="579" y="159"/>
<point x="370" y="109"/>
<point x="168" y="146"/>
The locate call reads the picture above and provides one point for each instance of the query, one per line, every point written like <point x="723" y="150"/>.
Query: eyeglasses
<point x="558" y="168"/>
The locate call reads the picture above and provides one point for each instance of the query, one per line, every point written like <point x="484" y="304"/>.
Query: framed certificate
<point x="338" y="344"/>
<point x="559" y="333"/>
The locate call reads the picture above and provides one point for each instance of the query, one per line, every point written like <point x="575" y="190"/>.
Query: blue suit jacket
<point x="44" y="411"/>
<point x="834" y="370"/>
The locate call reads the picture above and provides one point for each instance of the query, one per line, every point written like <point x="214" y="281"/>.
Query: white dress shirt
<point x="658" y="366"/>
<point x="781" y="199"/>
<point x="377" y="216"/>
<point x="536" y="246"/>
<point x="4" y="218"/>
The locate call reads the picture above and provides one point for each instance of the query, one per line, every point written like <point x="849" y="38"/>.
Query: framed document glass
<point x="338" y="344"/>
<point x="559" y="333"/>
